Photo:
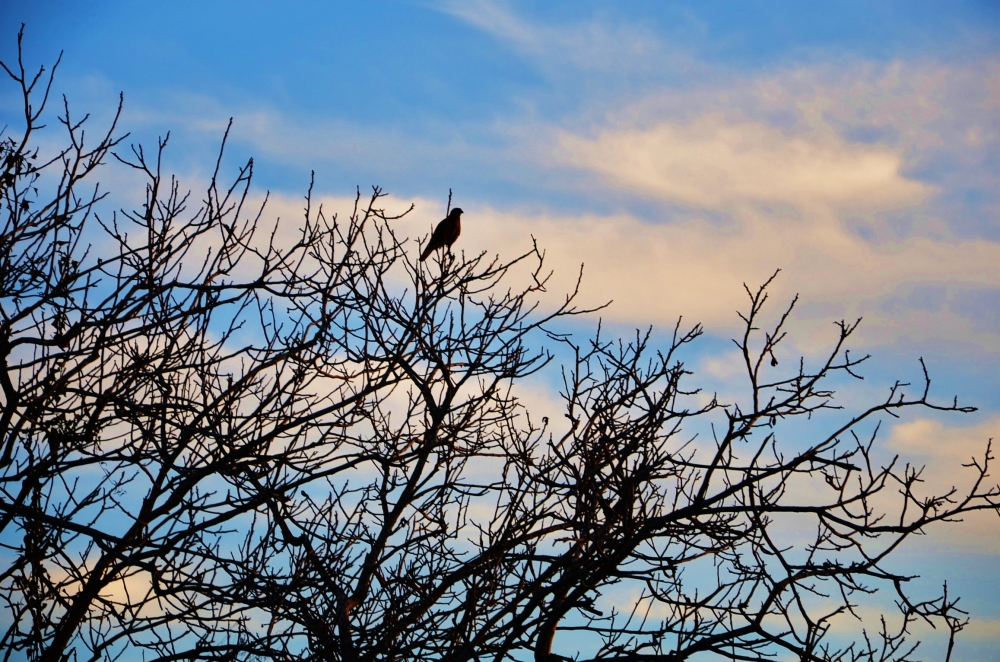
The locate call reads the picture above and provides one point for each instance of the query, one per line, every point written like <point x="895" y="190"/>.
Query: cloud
<point x="712" y="163"/>
<point x="932" y="440"/>
<point x="853" y="178"/>
<point x="694" y="268"/>
<point x="942" y="450"/>
<point x="597" y="45"/>
<point x="309" y="141"/>
<point x="862" y="181"/>
<point x="868" y="617"/>
<point x="917" y="137"/>
<point x="844" y="627"/>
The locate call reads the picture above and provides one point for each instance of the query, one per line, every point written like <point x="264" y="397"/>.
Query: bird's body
<point x="445" y="233"/>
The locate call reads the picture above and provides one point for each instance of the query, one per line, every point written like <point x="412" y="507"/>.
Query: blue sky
<point x="677" y="149"/>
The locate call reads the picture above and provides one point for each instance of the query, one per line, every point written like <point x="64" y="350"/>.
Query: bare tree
<point x="223" y="439"/>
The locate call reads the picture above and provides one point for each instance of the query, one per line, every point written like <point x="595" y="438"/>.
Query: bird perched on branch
<point x="445" y="233"/>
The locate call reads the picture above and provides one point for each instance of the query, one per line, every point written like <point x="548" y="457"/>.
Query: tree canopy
<point x="224" y="438"/>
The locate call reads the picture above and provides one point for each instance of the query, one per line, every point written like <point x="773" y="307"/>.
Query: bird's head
<point x="455" y="213"/>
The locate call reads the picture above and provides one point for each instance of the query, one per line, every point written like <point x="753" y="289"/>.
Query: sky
<point x="676" y="149"/>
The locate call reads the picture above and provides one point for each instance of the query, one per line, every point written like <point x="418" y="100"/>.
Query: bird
<point x="445" y="233"/>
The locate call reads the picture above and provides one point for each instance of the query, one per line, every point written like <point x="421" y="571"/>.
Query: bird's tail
<point x="427" y="252"/>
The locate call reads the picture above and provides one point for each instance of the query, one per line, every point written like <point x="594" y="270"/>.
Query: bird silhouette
<point x="445" y="233"/>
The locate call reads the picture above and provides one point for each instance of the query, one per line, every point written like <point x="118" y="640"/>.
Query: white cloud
<point x="694" y="268"/>
<point x="852" y="136"/>
<point x="810" y="170"/>
<point x="869" y="617"/>
<point x="932" y="440"/>
<point x="942" y="450"/>
<point x="826" y="171"/>
<point x="712" y="163"/>
<point x="595" y="45"/>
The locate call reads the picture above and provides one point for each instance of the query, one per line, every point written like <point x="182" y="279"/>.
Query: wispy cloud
<point x="944" y="448"/>
<point x="306" y="140"/>
<point x="599" y="44"/>
<point x="941" y="450"/>
<point x="712" y="163"/>
<point x="657" y="272"/>
<point x="695" y="268"/>
<point x="862" y="181"/>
